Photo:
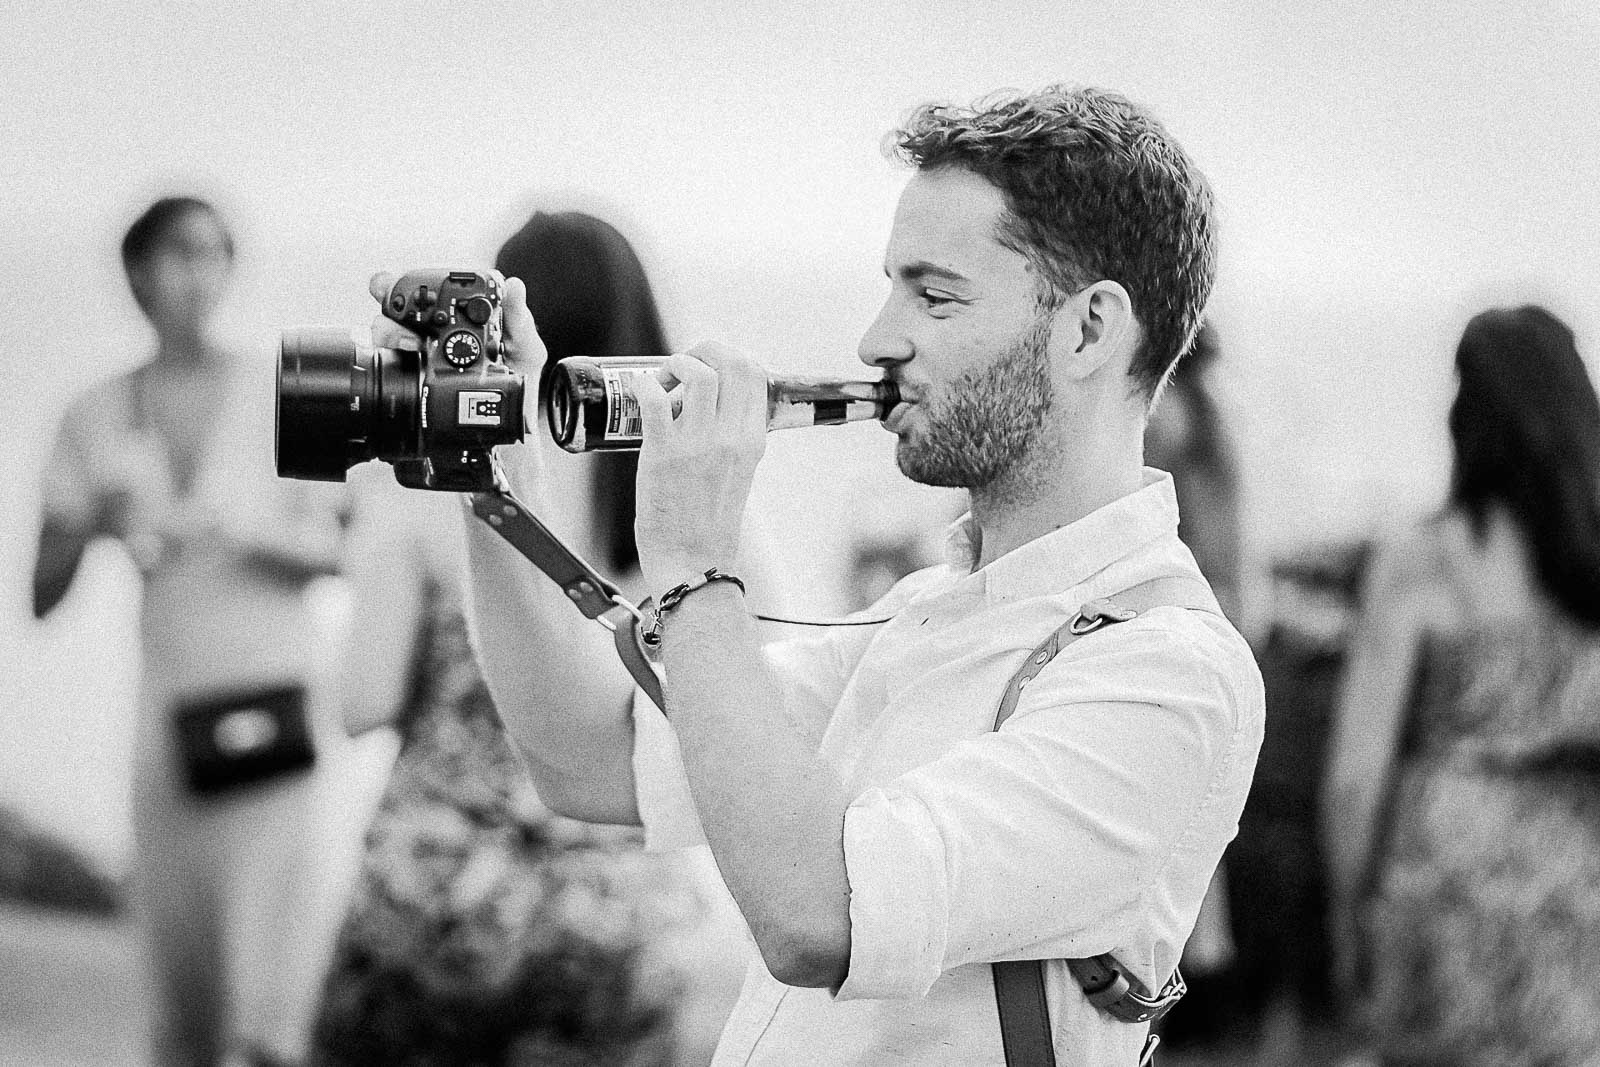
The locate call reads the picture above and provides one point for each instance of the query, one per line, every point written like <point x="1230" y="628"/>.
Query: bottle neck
<point x="795" y="400"/>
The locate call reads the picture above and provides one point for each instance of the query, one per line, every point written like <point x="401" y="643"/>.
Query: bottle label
<point x="623" y="422"/>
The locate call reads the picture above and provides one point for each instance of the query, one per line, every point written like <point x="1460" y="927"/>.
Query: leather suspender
<point x="1025" y="1029"/>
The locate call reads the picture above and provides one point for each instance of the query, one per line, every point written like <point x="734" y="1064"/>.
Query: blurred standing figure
<point x="487" y="931"/>
<point x="1464" y="799"/>
<point x="1186" y="437"/>
<point x="174" y="460"/>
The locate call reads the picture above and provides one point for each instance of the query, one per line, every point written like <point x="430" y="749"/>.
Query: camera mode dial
<point x="462" y="349"/>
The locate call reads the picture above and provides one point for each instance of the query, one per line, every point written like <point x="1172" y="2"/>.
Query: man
<point x="1049" y="262"/>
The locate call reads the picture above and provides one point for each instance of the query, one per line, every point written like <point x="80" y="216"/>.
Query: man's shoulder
<point x="1183" y="654"/>
<point x="909" y="588"/>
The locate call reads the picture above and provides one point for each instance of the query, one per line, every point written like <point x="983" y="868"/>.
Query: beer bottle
<point x="591" y="406"/>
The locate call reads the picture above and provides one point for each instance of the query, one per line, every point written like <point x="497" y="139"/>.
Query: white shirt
<point x="1090" y="823"/>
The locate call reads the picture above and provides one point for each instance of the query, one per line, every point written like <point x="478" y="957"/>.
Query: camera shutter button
<point x="477" y="310"/>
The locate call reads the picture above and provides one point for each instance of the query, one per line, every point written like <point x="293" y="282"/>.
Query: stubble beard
<point x="978" y="432"/>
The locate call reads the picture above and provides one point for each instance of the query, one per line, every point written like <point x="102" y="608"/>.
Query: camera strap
<point x="588" y="590"/>
<point x="1025" y="1029"/>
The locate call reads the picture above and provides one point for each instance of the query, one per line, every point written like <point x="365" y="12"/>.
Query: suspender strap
<point x="1177" y="591"/>
<point x="592" y="594"/>
<point x="1025" y="1029"/>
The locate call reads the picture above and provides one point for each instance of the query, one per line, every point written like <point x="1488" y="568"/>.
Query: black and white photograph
<point x="928" y="532"/>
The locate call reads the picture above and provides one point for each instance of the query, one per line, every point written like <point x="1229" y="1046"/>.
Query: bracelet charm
<point x="674" y="596"/>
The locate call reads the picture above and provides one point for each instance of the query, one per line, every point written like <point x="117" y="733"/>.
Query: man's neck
<point x="1060" y="482"/>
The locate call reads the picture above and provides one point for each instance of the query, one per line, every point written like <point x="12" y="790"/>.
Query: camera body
<point x="434" y="414"/>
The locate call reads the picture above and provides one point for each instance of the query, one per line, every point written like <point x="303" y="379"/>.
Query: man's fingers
<point x="524" y="348"/>
<point x="741" y="381"/>
<point x="699" y="388"/>
<point x="386" y="333"/>
<point x="380" y="284"/>
<point x="518" y="319"/>
<point x="655" y="407"/>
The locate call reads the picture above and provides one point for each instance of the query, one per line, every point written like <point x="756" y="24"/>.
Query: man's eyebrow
<point x="922" y="270"/>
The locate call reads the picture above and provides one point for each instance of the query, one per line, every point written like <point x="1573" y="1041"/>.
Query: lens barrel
<point x="315" y="403"/>
<point x="341" y="402"/>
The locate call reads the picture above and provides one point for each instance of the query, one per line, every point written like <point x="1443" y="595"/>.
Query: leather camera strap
<point x="591" y="593"/>
<point x="1026" y="1032"/>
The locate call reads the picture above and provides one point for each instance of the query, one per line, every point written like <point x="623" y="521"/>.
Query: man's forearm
<point x="556" y="680"/>
<point x="772" y="811"/>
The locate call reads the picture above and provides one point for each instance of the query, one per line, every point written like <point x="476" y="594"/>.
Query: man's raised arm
<point x="562" y="693"/>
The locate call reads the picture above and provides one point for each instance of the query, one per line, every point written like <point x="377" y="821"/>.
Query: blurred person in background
<point x="1187" y="437"/>
<point x="1463" y="806"/>
<point x="174" y="459"/>
<point x="485" y="930"/>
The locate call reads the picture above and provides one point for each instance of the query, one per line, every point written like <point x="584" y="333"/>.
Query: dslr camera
<point x="434" y="414"/>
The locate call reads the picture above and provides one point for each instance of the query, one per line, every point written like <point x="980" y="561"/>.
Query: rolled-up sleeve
<point x="812" y="676"/>
<point x="1104" y="803"/>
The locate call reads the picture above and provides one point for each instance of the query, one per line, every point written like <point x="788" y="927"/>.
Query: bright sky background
<point x="1384" y="168"/>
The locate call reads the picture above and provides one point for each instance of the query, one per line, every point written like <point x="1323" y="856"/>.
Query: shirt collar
<point x="1070" y="555"/>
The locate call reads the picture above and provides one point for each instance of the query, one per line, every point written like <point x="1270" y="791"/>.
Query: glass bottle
<point x="590" y="405"/>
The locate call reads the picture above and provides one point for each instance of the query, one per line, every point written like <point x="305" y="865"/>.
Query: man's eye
<point x="934" y="298"/>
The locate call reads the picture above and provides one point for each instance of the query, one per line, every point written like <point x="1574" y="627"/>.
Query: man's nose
<point x="883" y="345"/>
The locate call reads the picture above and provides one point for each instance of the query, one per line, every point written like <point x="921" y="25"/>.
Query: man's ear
<point x="1096" y="326"/>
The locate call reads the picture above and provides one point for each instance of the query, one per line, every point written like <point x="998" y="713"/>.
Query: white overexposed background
<point x="1384" y="170"/>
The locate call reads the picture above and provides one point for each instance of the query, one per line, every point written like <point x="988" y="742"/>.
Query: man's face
<point x="963" y="334"/>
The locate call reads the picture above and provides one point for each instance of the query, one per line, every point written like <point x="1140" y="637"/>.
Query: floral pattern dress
<point x="1484" y="916"/>
<point x="485" y="930"/>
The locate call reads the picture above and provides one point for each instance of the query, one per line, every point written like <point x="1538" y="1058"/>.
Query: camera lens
<point x="341" y="403"/>
<point x="314" y="378"/>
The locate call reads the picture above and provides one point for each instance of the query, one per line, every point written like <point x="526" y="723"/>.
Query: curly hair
<point x="1095" y="188"/>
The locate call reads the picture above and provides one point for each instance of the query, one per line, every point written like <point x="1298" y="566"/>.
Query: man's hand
<point x="522" y="346"/>
<point x="696" y="467"/>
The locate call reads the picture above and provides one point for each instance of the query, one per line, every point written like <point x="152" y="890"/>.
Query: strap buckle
<point x="1098" y="613"/>
<point x="612" y="619"/>
<point x="1118" y="999"/>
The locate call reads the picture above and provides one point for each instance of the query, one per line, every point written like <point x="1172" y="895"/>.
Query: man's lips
<point x="897" y="415"/>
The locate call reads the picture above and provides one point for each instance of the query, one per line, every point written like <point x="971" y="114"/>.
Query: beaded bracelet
<point x="674" y="596"/>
